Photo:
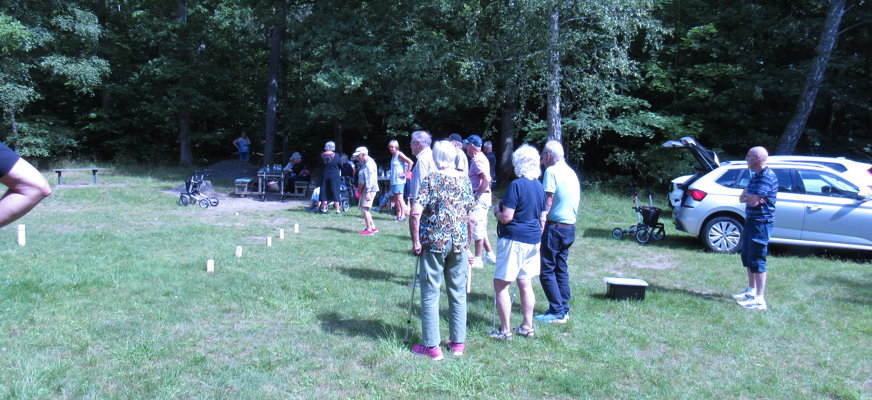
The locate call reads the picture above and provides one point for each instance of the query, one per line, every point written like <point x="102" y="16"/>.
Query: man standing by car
<point x="759" y="198"/>
<point x="562" y="197"/>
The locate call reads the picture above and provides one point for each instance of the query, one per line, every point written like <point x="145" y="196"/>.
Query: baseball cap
<point x="455" y="137"/>
<point x="473" y="140"/>
<point x="360" y="150"/>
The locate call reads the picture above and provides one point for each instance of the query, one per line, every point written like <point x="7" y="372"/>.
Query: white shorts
<point x="516" y="260"/>
<point x="479" y="215"/>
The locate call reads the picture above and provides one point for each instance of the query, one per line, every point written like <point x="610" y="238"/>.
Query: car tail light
<point x="697" y="195"/>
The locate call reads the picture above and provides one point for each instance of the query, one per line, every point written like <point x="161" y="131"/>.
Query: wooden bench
<point x="60" y="172"/>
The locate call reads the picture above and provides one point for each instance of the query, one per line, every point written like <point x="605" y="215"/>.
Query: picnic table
<point x="60" y="172"/>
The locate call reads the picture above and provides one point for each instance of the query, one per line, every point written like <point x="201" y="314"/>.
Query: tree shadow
<point x="858" y="291"/>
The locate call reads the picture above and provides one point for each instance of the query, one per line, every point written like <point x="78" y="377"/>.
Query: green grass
<point x="109" y="299"/>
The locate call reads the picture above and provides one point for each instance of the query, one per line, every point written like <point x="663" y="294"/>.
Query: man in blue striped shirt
<point x="759" y="198"/>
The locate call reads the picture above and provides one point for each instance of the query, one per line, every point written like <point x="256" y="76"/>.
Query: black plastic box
<point x="625" y="288"/>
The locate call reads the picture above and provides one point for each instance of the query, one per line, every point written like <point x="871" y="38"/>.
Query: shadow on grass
<point x="676" y="241"/>
<point x="858" y="291"/>
<point x="340" y="230"/>
<point x="334" y="323"/>
<point x="655" y="289"/>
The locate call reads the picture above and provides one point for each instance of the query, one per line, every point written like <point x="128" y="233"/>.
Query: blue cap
<point x="473" y="140"/>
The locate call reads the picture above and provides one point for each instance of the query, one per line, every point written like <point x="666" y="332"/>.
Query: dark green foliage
<point x="115" y="80"/>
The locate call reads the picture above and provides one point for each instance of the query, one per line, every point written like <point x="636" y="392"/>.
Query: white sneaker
<point x="491" y="257"/>
<point x="746" y="301"/>
<point x="477" y="263"/>
<point x="756" y="305"/>
<point x="744" y="295"/>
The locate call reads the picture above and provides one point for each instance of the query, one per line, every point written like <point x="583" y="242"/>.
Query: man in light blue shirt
<point x="562" y="198"/>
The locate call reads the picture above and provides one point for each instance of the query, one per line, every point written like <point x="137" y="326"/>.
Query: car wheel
<point x="618" y="233"/>
<point x="723" y="235"/>
<point x="643" y="235"/>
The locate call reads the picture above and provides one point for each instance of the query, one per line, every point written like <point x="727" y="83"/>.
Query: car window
<point x="785" y="181"/>
<point x="824" y="184"/>
<point x="730" y="178"/>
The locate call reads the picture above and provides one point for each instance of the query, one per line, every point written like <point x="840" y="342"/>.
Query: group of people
<point x="448" y="187"/>
<point x="448" y="226"/>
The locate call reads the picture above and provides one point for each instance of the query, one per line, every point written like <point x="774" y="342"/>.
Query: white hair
<point x="330" y="146"/>
<point x="422" y="138"/>
<point x="487" y="145"/>
<point x="526" y="162"/>
<point x="444" y="154"/>
<point x="296" y="156"/>
<point x="555" y="148"/>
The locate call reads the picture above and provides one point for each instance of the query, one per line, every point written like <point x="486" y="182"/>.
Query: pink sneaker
<point x="366" y="232"/>
<point x="374" y="230"/>
<point x="434" y="353"/>
<point x="456" y="348"/>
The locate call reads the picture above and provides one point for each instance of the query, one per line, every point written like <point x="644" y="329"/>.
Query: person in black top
<point x="296" y="169"/>
<point x="27" y="187"/>
<point x="332" y="165"/>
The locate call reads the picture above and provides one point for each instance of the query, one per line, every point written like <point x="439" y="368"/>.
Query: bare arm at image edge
<point x="27" y="187"/>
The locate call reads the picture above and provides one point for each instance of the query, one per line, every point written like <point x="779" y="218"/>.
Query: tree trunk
<point x="14" y="126"/>
<point x="555" y="124"/>
<point x="814" y="78"/>
<point x="183" y="113"/>
<point x="508" y="110"/>
<point x="186" y="157"/>
<point x="337" y="137"/>
<point x="273" y="87"/>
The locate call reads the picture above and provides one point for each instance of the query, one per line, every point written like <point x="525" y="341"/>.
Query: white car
<point x="855" y="171"/>
<point x="816" y="206"/>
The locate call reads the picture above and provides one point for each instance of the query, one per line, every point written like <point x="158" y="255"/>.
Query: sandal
<point x="524" y="332"/>
<point x="500" y="336"/>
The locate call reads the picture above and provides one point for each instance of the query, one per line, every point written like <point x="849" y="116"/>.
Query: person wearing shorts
<point x="759" y="198"/>
<point x="367" y="187"/>
<point x="521" y="218"/>
<point x="479" y="176"/>
<point x="401" y="170"/>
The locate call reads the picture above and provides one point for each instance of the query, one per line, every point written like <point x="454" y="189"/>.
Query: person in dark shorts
<point x="26" y="186"/>
<point x="759" y="198"/>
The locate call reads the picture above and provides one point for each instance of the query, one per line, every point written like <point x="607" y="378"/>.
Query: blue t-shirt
<point x="763" y="184"/>
<point x="527" y="198"/>
<point x="8" y="158"/>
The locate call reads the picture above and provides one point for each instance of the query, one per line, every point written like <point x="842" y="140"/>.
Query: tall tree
<point x="813" y="79"/>
<point x="47" y="50"/>
<point x="555" y="123"/>
<point x="276" y="33"/>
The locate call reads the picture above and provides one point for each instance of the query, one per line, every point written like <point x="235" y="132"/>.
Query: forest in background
<point x="175" y="81"/>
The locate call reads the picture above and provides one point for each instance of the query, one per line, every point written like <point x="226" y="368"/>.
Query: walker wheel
<point x="658" y="233"/>
<point x="618" y="233"/>
<point x="643" y="235"/>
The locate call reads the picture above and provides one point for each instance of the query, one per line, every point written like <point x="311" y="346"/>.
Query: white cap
<point x="360" y="150"/>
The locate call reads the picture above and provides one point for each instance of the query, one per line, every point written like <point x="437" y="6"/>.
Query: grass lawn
<point x="110" y="299"/>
